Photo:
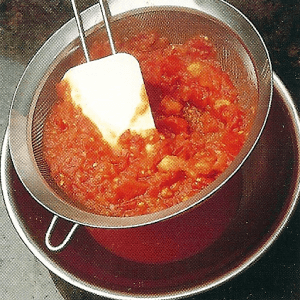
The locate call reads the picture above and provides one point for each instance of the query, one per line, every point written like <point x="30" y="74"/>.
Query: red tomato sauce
<point x="200" y="129"/>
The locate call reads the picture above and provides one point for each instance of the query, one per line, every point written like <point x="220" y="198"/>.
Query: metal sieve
<point x="241" y="51"/>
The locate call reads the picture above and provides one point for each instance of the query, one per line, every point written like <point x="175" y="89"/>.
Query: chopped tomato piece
<point x="130" y="188"/>
<point x="234" y="142"/>
<point x="173" y="124"/>
<point x="170" y="106"/>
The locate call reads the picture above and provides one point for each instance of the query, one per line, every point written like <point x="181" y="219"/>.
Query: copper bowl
<point x="266" y="199"/>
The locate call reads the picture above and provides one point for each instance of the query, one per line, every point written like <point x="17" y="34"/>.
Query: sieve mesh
<point x="234" y="58"/>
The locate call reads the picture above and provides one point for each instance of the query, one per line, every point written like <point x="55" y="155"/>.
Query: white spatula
<point x="110" y="91"/>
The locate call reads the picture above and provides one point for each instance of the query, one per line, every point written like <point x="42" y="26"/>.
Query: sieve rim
<point x="37" y="72"/>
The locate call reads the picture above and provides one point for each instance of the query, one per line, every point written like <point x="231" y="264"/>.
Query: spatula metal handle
<point x="80" y="31"/>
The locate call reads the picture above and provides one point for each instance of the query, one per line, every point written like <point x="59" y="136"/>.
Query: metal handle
<point x="49" y="234"/>
<point x="80" y="31"/>
<point x="106" y="14"/>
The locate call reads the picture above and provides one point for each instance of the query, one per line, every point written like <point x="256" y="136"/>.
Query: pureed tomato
<point x="200" y="129"/>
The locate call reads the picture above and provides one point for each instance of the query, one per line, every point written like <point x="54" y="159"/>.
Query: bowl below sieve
<point x="269" y="197"/>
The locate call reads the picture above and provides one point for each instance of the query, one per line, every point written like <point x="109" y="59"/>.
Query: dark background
<point x="26" y="24"/>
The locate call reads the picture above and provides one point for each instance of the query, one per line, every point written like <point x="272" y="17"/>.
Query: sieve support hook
<point x="49" y="235"/>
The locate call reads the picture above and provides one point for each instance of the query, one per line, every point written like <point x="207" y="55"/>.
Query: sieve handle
<point x="64" y="242"/>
